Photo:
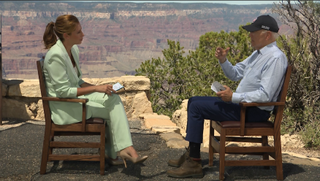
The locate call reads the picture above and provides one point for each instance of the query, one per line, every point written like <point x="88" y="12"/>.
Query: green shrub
<point x="177" y="77"/>
<point x="311" y="135"/>
<point x="302" y="49"/>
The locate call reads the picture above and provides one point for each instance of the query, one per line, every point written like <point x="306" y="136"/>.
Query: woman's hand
<point x="226" y="95"/>
<point x="89" y="88"/>
<point x="106" y="88"/>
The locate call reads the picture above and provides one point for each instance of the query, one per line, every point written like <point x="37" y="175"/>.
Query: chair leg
<point x="45" y="150"/>
<point x="222" y="154"/>
<point x="265" y="155"/>
<point x="211" y="134"/>
<point x="102" y="150"/>
<point x="278" y="156"/>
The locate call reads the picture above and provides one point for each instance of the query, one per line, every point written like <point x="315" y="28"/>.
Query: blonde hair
<point x="64" y="24"/>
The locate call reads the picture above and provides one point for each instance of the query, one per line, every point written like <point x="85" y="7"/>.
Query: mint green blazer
<point x="62" y="81"/>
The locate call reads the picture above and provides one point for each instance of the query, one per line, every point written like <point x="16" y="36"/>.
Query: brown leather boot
<point x="189" y="168"/>
<point x="178" y="162"/>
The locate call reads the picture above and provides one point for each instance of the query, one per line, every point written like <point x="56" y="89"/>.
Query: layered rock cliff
<point x="118" y="36"/>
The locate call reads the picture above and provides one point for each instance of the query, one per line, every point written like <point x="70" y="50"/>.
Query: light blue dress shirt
<point x="261" y="75"/>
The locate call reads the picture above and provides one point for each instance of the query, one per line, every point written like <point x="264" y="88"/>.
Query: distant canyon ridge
<point x="118" y="36"/>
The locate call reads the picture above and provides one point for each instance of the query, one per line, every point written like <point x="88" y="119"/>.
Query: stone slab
<point x="4" y="89"/>
<point x="174" y="140"/>
<point x="168" y="136"/>
<point x="177" y="143"/>
<point x="149" y="123"/>
<point x="153" y="116"/>
<point x="24" y="88"/>
<point x="165" y="129"/>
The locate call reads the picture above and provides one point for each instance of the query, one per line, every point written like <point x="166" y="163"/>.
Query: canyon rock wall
<point x="118" y="36"/>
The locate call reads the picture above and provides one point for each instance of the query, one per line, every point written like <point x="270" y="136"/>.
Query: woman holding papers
<point x="63" y="79"/>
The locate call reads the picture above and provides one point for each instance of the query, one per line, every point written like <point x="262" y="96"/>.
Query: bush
<point x="302" y="50"/>
<point x="177" y="77"/>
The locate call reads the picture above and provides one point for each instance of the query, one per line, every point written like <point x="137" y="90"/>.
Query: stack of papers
<point x="117" y="86"/>
<point x="217" y="87"/>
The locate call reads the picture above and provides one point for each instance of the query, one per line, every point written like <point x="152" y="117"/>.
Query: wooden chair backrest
<point x="42" y="84"/>
<point x="284" y="91"/>
<point x="278" y="110"/>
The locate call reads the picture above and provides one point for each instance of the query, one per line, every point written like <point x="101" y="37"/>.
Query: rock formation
<point x="21" y="98"/>
<point x="118" y="36"/>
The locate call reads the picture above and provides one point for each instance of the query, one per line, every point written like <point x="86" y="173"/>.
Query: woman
<point x="63" y="79"/>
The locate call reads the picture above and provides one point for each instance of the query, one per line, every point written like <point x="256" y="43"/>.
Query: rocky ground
<point x="309" y="153"/>
<point x="291" y="144"/>
<point x="23" y="144"/>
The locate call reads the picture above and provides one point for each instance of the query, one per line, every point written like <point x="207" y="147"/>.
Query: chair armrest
<point x="81" y="100"/>
<point x="245" y="104"/>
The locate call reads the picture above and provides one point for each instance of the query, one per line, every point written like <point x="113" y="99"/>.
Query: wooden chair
<point x="92" y="126"/>
<point x="240" y="131"/>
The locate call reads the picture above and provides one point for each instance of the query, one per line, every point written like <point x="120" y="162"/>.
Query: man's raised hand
<point x="221" y="54"/>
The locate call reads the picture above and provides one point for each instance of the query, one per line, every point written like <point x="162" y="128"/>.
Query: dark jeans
<point x="200" y="108"/>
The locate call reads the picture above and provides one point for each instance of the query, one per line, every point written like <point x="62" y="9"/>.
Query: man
<point x="261" y="75"/>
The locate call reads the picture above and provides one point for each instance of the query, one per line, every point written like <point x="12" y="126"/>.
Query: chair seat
<point x="95" y="121"/>
<point x="236" y="124"/>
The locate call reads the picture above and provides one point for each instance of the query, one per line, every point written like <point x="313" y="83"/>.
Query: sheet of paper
<point x="217" y="87"/>
<point x="117" y="86"/>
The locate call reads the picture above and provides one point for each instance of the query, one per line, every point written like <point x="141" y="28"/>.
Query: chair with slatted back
<point x="240" y="131"/>
<point x="92" y="126"/>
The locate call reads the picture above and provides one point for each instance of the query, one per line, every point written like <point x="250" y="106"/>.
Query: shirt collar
<point x="266" y="48"/>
